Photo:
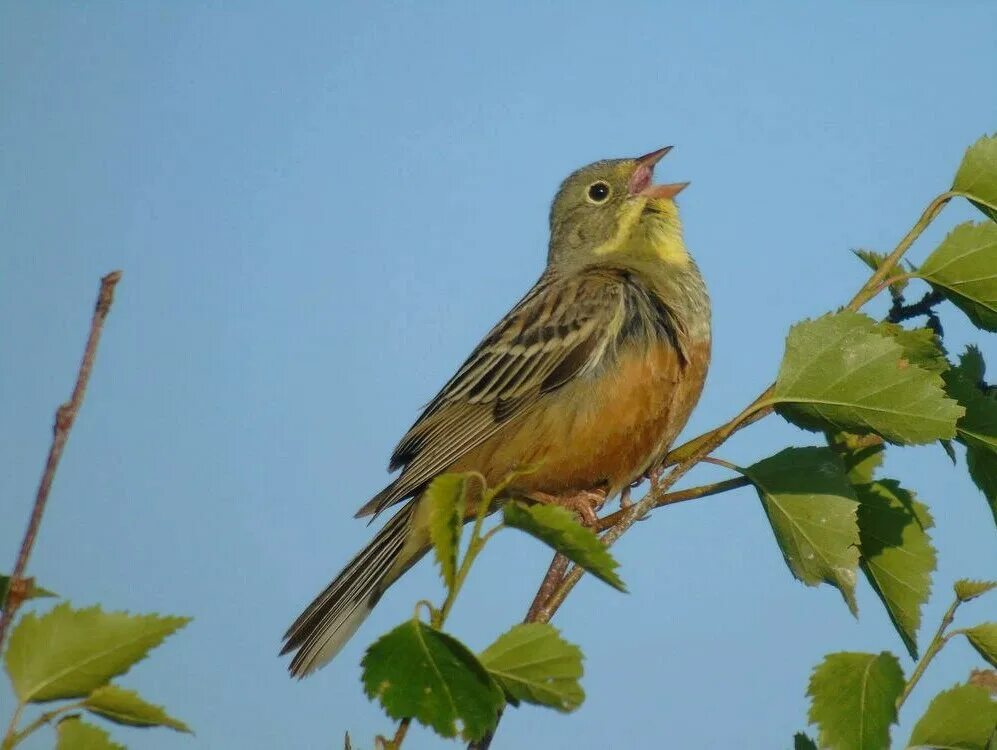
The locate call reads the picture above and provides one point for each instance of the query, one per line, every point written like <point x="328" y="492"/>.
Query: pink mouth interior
<point x="641" y="179"/>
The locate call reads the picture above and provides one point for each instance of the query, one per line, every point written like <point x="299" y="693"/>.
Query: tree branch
<point x="693" y="493"/>
<point x="65" y="416"/>
<point x="555" y="574"/>
<point x="637" y="511"/>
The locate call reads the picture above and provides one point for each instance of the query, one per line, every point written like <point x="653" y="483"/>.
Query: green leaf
<point x="419" y="672"/>
<point x="557" y="528"/>
<point x="68" y="653"/>
<point x="963" y="717"/>
<point x="843" y="372"/>
<point x="812" y="508"/>
<point x="982" y="467"/>
<point x="534" y="664"/>
<point x="971" y="363"/>
<point x="977" y="429"/>
<point x="949" y="450"/>
<point x="34" y="592"/>
<point x="897" y="556"/>
<point x="965" y="590"/>
<point x="977" y="176"/>
<point x="853" y="700"/>
<point x="128" y="707"/>
<point x="964" y="269"/>
<point x="803" y="742"/>
<point x="861" y="454"/>
<point x="874" y="260"/>
<point x="73" y="734"/>
<point x="984" y="639"/>
<point x="447" y="497"/>
<point x="921" y="346"/>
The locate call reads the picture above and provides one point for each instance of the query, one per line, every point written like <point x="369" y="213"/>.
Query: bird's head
<point x="610" y="211"/>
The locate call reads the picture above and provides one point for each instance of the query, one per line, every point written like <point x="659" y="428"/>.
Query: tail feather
<point x="334" y="616"/>
<point x="383" y="499"/>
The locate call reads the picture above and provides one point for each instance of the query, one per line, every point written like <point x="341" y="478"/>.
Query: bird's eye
<point x="598" y="192"/>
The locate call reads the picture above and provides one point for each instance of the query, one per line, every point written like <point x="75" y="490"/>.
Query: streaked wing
<point x="560" y="329"/>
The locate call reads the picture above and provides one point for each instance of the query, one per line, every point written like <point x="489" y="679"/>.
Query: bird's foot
<point x="585" y="503"/>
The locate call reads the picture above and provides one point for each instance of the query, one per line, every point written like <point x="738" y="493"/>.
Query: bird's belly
<point x="598" y="431"/>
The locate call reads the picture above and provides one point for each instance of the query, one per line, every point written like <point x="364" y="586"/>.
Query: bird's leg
<point x="625" y="501"/>
<point x="584" y="502"/>
<point x="653" y="475"/>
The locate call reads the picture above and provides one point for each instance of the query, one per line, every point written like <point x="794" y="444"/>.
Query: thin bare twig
<point x="65" y="416"/>
<point x="693" y="493"/>
<point x="555" y="574"/>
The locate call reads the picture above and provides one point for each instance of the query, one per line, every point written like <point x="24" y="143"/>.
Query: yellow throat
<point x="649" y="228"/>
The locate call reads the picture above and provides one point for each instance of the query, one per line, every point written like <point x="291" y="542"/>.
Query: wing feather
<point x="559" y="330"/>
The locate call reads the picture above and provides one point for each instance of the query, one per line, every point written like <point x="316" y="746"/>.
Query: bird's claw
<point x="625" y="501"/>
<point x="584" y="503"/>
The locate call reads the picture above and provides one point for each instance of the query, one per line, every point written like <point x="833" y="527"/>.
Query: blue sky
<point x="320" y="208"/>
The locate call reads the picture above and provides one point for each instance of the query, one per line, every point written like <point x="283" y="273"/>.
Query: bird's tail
<point x="328" y="622"/>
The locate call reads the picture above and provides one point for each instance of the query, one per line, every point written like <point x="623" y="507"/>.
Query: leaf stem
<point x="65" y="416"/>
<point x="12" y="738"/>
<point x="720" y="462"/>
<point x="934" y="647"/>
<point x="396" y="741"/>
<point x="875" y="283"/>
<point x="474" y="547"/>
<point x="439" y="616"/>
<point x="890" y="281"/>
<point x="430" y="609"/>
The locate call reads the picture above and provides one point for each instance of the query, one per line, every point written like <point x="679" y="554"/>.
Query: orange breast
<point x="598" y="431"/>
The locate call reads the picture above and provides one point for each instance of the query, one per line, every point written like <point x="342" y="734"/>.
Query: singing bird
<point x="587" y="381"/>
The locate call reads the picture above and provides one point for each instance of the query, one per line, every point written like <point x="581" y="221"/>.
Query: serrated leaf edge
<point x="173" y="622"/>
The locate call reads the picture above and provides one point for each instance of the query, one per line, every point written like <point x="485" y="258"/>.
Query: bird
<point x="587" y="380"/>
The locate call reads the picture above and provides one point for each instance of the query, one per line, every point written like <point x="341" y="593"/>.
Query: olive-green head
<point x="611" y="211"/>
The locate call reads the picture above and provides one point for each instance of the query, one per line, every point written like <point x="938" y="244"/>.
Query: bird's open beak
<point x="640" y="182"/>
